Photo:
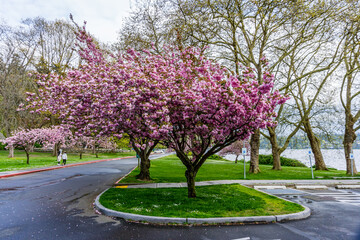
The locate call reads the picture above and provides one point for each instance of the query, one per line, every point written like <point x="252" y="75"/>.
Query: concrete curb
<point x="294" y="216"/>
<point x="198" y="221"/>
<point x="59" y="167"/>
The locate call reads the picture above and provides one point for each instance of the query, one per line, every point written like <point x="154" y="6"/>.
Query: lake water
<point x="334" y="158"/>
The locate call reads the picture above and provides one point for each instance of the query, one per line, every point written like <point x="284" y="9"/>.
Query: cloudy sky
<point x="104" y="17"/>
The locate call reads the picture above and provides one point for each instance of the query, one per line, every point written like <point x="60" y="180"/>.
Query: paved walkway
<point x="327" y="182"/>
<point x="34" y="170"/>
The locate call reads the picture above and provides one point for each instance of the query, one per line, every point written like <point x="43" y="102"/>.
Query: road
<point x="58" y="204"/>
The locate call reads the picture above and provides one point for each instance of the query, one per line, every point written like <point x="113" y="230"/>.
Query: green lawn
<point x="40" y="159"/>
<point x="170" y="169"/>
<point x="212" y="201"/>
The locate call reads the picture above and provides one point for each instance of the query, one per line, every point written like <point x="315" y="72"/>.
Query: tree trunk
<point x="275" y="149"/>
<point x="81" y="155"/>
<point x="315" y="147"/>
<point x="254" y="157"/>
<point x="276" y="158"/>
<point x="27" y="157"/>
<point x="144" y="174"/>
<point x="190" y="175"/>
<point x="55" y="149"/>
<point x="11" y="152"/>
<point x="349" y="138"/>
<point x="236" y="159"/>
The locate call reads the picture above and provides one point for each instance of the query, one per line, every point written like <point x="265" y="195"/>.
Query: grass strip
<point x="212" y="201"/>
<point x="169" y="169"/>
<point x="43" y="159"/>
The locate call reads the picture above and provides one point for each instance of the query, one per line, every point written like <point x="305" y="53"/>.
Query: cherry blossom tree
<point x="109" y="95"/>
<point x="96" y="142"/>
<point x="210" y="108"/>
<point x="26" y="138"/>
<point x="180" y="98"/>
<point x="57" y="137"/>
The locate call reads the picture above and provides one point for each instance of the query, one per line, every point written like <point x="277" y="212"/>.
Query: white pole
<point x="311" y="167"/>
<point x="244" y="153"/>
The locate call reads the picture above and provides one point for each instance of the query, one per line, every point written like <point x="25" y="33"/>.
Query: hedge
<point x="268" y="160"/>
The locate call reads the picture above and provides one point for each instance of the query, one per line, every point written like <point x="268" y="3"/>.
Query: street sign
<point x="244" y="151"/>
<point x="351" y="156"/>
<point x="312" y="172"/>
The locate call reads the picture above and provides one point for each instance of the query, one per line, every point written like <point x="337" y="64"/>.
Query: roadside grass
<point x="42" y="159"/>
<point x="169" y="169"/>
<point x="212" y="201"/>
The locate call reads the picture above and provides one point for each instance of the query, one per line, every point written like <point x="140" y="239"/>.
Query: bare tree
<point x="146" y="27"/>
<point x="17" y="49"/>
<point x="243" y="32"/>
<point x="311" y="33"/>
<point x="40" y="45"/>
<point x="350" y="86"/>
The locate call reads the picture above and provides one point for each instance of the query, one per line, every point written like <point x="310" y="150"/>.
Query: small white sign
<point x="244" y="151"/>
<point x="351" y="156"/>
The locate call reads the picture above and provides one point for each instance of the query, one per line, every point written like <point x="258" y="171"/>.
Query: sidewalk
<point x="35" y="170"/>
<point x="327" y="182"/>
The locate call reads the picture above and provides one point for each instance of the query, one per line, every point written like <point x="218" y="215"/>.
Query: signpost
<point x="138" y="158"/>
<point x="244" y="154"/>
<point x="352" y="162"/>
<point x="311" y="167"/>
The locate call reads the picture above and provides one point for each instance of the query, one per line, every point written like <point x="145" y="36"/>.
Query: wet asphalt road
<point x="59" y="205"/>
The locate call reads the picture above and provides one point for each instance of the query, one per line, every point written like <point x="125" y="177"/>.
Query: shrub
<point x="268" y="160"/>
<point x="2" y="146"/>
<point x="216" y="157"/>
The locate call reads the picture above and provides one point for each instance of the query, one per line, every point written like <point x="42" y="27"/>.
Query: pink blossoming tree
<point x="209" y="108"/>
<point x="180" y="98"/>
<point x="26" y="138"/>
<point x="109" y="95"/>
<point x="57" y="137"/>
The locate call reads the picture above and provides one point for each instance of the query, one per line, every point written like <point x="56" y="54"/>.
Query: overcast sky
<point x="104" y="17"/>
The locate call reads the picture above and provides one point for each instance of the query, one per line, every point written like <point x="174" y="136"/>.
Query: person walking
<point x="64" y="158"/>
<point x="59" y="159"/>
<point x="59" y="156"/>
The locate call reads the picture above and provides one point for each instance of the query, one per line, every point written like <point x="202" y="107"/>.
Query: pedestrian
<point x="64" y="158"/>
<point x="59" y="159"/>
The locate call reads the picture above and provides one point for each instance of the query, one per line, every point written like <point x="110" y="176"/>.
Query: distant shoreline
<point x="334" y="158"/>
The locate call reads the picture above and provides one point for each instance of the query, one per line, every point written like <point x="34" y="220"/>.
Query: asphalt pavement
<point x="58" y="204"/>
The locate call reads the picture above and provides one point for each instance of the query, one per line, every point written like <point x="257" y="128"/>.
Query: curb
<point x="198" y="221"/>
<point x="292" y="216"/>
<point x="59" y="167"/>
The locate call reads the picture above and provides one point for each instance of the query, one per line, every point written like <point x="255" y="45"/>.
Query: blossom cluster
<point x="47" y="136"/>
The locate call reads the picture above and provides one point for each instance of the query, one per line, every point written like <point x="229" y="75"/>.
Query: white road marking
<point x="344" y="197"/>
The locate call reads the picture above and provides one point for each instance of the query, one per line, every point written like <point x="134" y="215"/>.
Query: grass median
<point x="44" y="159"/>
<point x="170" y="169"/>
<point x="212" y="201"/>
